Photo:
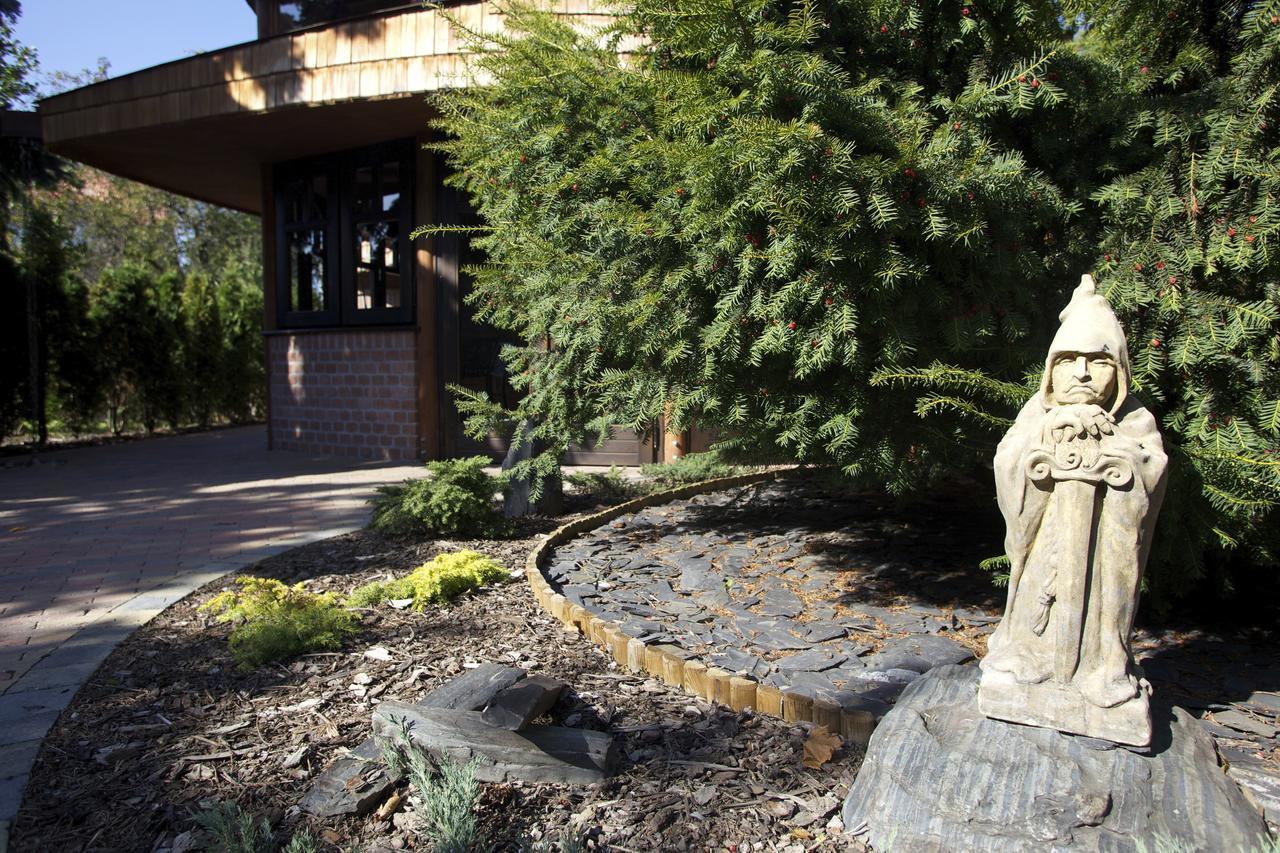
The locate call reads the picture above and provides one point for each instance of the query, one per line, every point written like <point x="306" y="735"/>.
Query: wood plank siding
<point x="327" y="88"/>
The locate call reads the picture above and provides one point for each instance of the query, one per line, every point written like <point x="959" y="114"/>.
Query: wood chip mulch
<point x="169" y="724"/>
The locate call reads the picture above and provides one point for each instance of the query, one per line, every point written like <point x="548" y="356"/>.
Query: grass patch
<point x="274" y="621"/>
<point x="443" y="579"/>
<point x="456" y="499"/>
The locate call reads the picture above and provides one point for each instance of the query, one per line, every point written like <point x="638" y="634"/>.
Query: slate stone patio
<point x="849" y="598"/>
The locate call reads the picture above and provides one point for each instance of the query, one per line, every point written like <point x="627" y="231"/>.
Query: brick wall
<point x="344" y="393"/>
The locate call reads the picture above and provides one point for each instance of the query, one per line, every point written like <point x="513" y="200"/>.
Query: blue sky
<point x="70" y="35"/>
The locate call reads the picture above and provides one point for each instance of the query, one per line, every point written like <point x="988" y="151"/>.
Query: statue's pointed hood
<point x="1088" y="326"/>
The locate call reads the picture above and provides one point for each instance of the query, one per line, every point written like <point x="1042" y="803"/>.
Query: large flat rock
<point x="534" y="754"/>
<point x="938" y="776"/>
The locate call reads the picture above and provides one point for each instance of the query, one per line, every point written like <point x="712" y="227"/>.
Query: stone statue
<point x="1079" y="478"/>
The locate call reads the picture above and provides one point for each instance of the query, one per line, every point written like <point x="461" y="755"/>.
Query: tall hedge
<point x="841" y="232"/>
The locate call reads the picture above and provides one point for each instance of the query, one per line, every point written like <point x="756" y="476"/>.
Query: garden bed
<point x="168" y="724"/>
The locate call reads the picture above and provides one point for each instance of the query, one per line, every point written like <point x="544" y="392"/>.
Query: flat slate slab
<point x="536" y="754"/>
<point x="357" y="782"/>
<point x="938" y="776"/>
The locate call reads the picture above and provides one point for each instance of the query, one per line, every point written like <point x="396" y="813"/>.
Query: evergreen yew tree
<point x="839" y="231"/>
<point x="1188" y="252"/>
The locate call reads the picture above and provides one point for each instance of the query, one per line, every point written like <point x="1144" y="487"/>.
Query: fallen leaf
<point x="378" y="653"/>
<point x="819" y="747"/>
<point x="389" y="807"/>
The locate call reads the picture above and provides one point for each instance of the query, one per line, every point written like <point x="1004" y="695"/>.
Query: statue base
<point x="1052" y="705"/>
<point x="939" y="777"/>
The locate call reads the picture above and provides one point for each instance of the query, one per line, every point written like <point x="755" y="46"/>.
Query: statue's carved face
<point x="1083" y="377"/>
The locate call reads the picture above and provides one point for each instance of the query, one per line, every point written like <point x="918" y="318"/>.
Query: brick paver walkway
<point x="96" y="541"/>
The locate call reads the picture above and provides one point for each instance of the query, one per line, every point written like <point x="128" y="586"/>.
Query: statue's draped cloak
<point x="1036" y="516"/>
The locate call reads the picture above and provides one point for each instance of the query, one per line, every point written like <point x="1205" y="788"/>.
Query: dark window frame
<point x="286" y="174"/>
<point x="340" y="237"/>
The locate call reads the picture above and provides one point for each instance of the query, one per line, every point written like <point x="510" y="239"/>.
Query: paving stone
<point x="1266" y="703"/>
<point x="781" y="602"/>
<point x="976" y="617"/>
<point x="814" y="660"/>
<point x="821" y="632"/>
<point x="779" y="640"/>
<point x="814" y="680"/>
<point x="736" y="660"/>
<point x="1243" y="722"/>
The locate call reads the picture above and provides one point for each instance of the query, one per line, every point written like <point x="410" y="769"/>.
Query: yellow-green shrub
<point x="275" y="621"/>
<point x="444" y="578"/>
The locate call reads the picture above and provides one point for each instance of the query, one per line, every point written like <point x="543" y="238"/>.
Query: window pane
<point x="364" y="288"/>
<point x="305" y="13"/>
<point x="390" y="245"/>
<point x="390" y="187"/>
<point x="307" y="290"/>
<point x="393" y="290"/>
<point x="317" y="203"/>
<point x="364" y="200"/>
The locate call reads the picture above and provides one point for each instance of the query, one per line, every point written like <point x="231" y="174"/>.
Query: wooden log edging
<point x="670" y="664"/>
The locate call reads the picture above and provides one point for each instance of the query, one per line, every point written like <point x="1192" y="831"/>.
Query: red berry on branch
<point x="1250" y="238"/>
<point x="524" y="159"/>
<point x="829" y="301"/>
<point x="883" y="28"/>
<point x="1155" y="342"/>
<point x="599" y="349"/>
<point x="955" y="126"/>
<point x="1138" y="267"/>
<point x="1252" y="220"/>
<point x="965" y="11"/>
<point x="1231" y="232"/>
<point x="1159" y="265"/>
<point x="679" y="190"/>
<point x="1022" y="78"/>
<point x="574" y="187"/>
<point x="909" y="172"/>
<point x="814" y="343"/>
<point x="1035" y="84"/>
<point x="792" y="325"/>
<point x="1106" y="257"/>
<point x="970" y="196"/>
<point x="1143" y="70"/>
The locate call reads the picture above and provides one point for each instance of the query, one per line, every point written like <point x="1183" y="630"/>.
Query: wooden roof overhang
<point x="204" y="126"/>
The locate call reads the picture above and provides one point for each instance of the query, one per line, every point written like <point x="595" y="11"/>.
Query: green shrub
<point x="275" y="621"/>
<point x="230" y="829"/>
<point x="691" y="468"/>
<point x="455" y="500"/>
<point x="443" y="794"/>
<point x="443" y="579"/>
<point x="609" y="487"/>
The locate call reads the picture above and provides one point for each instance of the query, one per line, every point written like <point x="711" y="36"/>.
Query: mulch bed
<point x="168" y="723"/>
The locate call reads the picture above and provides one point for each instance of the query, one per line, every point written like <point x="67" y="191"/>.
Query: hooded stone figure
<point x="1079" y="478"/>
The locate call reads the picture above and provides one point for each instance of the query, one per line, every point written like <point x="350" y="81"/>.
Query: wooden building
<point x="317" y="127"/>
